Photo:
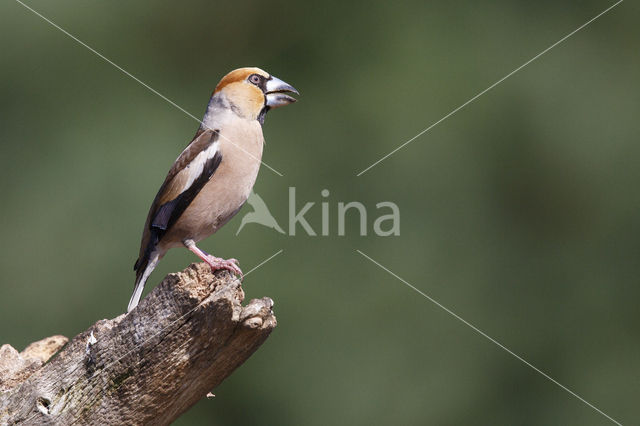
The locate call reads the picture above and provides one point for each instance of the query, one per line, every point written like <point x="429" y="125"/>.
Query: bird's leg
<point x="216" y="263"/>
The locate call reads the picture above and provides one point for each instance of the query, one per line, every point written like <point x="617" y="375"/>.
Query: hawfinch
<point x="212" y="178"/>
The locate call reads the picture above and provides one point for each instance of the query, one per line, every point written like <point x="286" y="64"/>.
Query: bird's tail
<point x="144" y="268"/>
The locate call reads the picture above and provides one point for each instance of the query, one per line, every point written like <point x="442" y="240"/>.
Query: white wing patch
<point x="194" y="169"/>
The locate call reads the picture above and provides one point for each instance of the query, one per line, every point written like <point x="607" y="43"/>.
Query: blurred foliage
<point x="521" y="212"/>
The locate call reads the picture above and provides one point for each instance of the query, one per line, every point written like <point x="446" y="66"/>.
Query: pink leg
<point x="216" y="263"/>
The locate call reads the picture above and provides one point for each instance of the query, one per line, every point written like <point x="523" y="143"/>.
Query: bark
<point x="145" y="367"/>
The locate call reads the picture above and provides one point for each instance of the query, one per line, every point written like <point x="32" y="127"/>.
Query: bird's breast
<point x="220" y="199"/>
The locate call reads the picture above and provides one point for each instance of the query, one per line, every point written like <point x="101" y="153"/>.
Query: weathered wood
<point x="147" y="367"/>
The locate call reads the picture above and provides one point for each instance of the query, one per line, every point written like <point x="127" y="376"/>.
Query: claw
<point x="218" y="263"/>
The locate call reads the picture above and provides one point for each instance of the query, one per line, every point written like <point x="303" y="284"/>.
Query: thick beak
<point x="275" y="93"/>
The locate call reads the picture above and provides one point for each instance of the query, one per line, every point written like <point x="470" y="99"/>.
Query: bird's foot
<point x="218" y="263"/>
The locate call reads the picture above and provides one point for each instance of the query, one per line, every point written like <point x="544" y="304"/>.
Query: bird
<point x="213" y="176"/>
<point x="260" y="214"/>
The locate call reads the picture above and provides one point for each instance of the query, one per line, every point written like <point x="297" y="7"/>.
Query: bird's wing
<point x="188" y="165"/>
<point x="191" y="171"/>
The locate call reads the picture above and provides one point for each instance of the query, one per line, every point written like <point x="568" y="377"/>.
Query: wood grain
<point x="148" y="367"/>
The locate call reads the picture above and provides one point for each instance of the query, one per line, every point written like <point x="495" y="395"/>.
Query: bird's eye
<point x="255" y="79"/>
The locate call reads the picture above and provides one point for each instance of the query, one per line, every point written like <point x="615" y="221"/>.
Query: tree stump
<point x="146" y="367"/>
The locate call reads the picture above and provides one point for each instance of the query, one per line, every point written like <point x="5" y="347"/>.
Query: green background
<point x="521" y="212"/>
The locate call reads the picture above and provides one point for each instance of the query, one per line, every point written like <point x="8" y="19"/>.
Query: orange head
<point x="252" y="92"/>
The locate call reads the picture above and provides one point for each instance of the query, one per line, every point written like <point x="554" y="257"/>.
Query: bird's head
<point x="252" y="92"/>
